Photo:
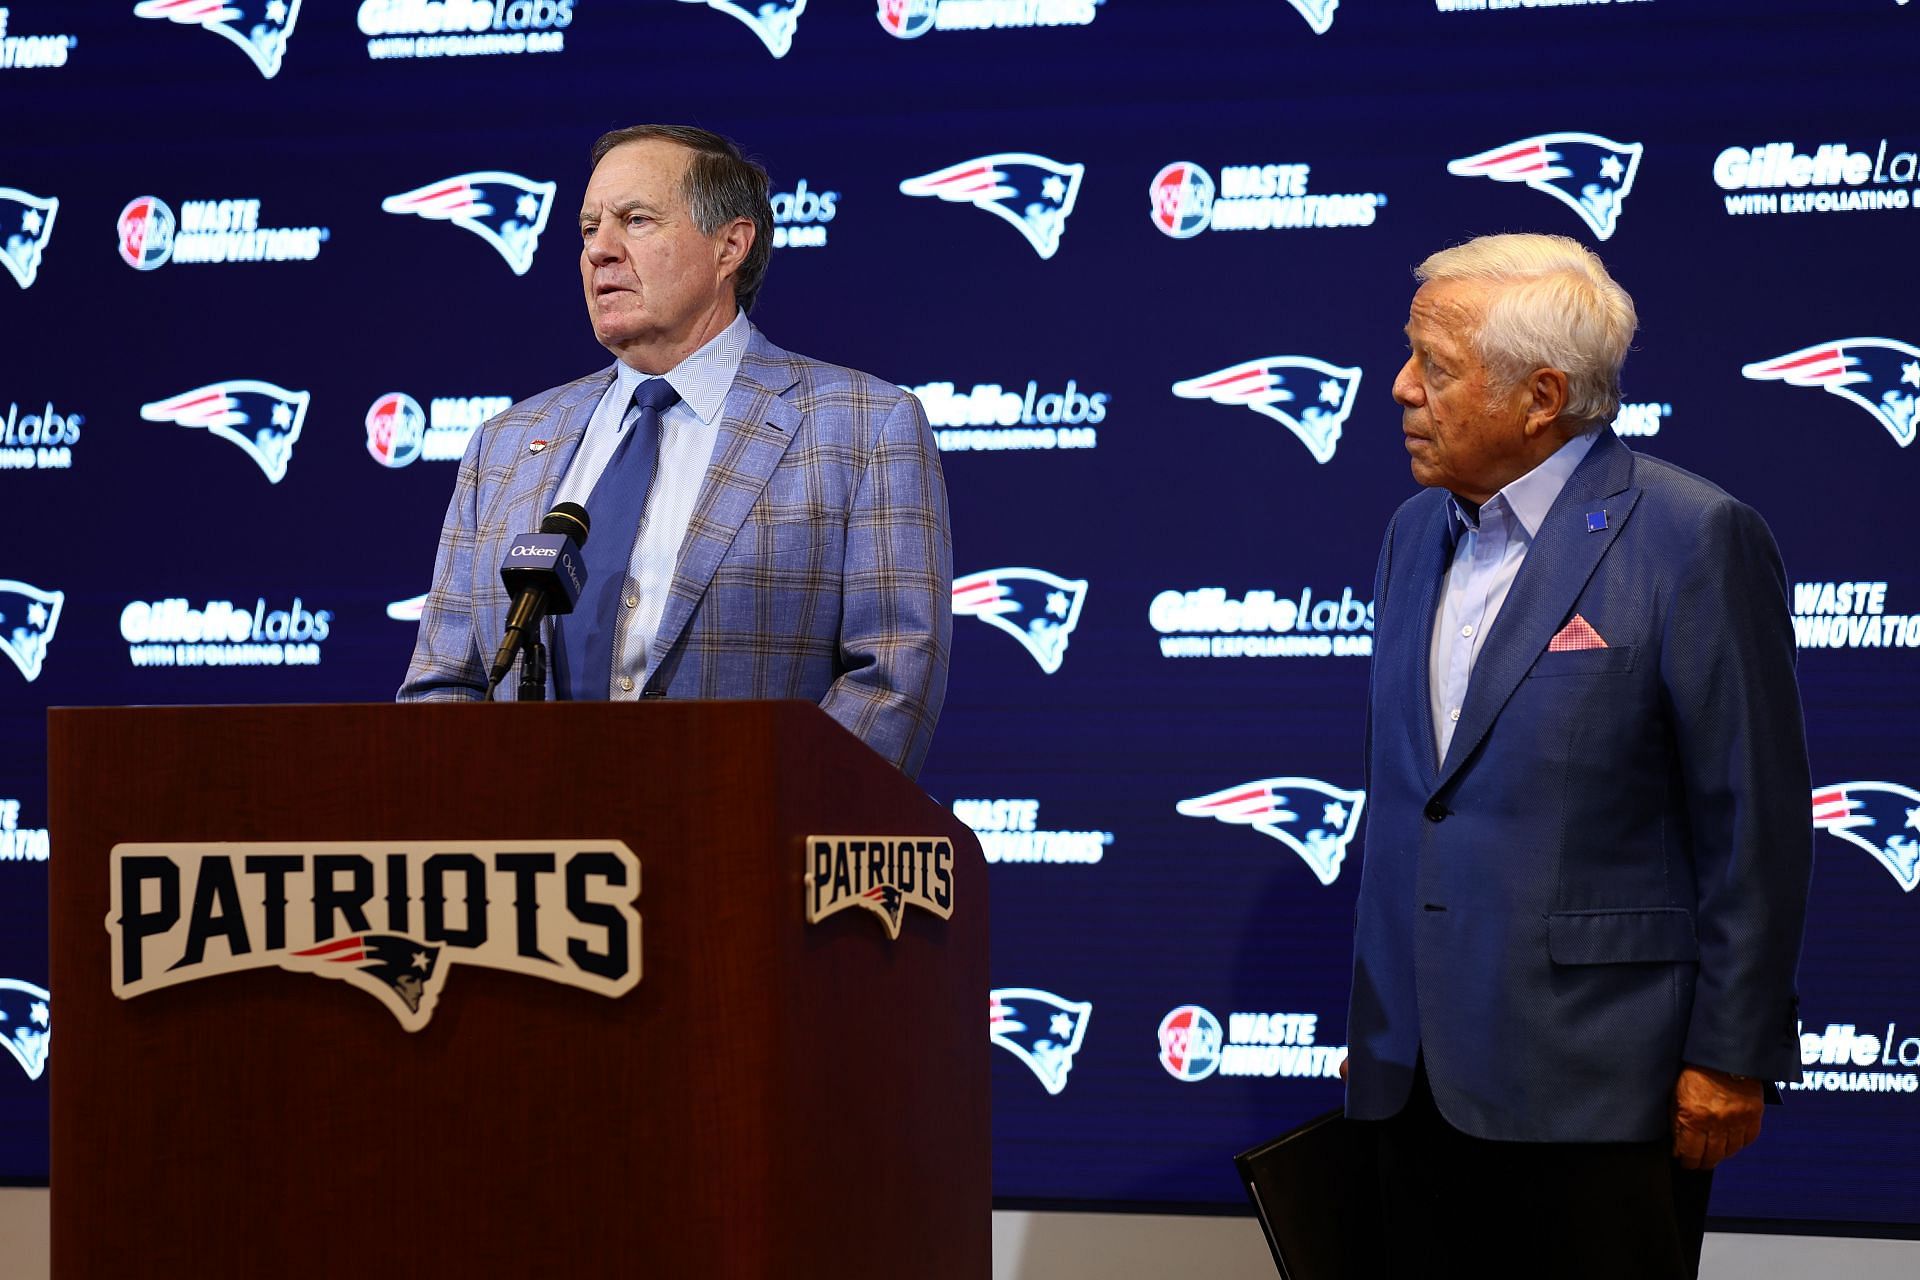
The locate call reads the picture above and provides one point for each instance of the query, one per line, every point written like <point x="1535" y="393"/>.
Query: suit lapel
<point x="758" y="425"/>
<point x="539" y="474"/>
<point x="1563" y="556"/>
<point x="1430" y="549"/>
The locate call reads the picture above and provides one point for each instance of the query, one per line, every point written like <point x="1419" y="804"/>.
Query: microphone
<point x="544" y="572"/>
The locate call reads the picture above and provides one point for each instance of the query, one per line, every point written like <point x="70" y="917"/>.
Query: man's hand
<point x="1714" y="1115"/>
<point x="1343" y="1068"/>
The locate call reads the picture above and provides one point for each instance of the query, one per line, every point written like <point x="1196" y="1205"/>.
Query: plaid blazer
<point x="818" y="563"/>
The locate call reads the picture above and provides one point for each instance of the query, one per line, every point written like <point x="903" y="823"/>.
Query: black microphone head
<point x="569" y="520"/>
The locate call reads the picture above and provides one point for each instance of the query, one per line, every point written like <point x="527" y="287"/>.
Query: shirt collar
<point x="703" y="378"/>
<point x="1529" y="498"/>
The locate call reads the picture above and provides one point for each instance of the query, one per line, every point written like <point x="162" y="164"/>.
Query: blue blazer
<point x="818" y="564"/>
<point x="1606" y="876"/>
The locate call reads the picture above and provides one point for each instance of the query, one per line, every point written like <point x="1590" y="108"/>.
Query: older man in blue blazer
<point x="1588" y="838"/>
<point x="763" y="525"/>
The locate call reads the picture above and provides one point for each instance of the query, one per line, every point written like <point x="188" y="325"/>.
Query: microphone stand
<point x="533" y="667"/>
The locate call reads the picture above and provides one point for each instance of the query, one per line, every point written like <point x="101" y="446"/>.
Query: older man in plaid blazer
<point x="791" y="536"/>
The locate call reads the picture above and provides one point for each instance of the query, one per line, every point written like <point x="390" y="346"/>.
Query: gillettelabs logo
<point x="800" y="217"/>
<point x="259" y="30"/>
<point x="1589" y="174"/>
<point x="272" y="416"/>
<point x="1850" y="615"/>
<point x="1317" y="396"/>
<point x="1882" y="818"/>
<point x="1257" y="1044"/>
<point x="26" y="222"/>
<point x="1037" y="608"/>
<point x="908" y="19"/>
<point x="1856" y="1062"/>
<point x="1881" y="375"/>
<point x="991" y="418"/>
<point x="1269" y="807"/>
<point x="1775" y="172"/>
<point x="18" y="843"/>
<point x="26" y="1024"/>
<point x="209" y="231"/>
<point x="1209" y="623"/>
<point x="28" y="618"/>
<point x="170" y="633"/>
<point x="881" y="874"/>
<point x="38" y="441"/>
<point x="390" y="918"/>
<point x="506" y="210"/>
<point x="1039" y="1028"/>
<point x="1030" y="193"/>
<point x="774" y="21"/>
<point x="21" y="53"/>
<point x="464" y="28"/>
<point x="1182" y="202"/>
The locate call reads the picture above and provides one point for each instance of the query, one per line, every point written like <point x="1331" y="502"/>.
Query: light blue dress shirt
<point x="1488" y="551"/>
<point x="688" y="430"/>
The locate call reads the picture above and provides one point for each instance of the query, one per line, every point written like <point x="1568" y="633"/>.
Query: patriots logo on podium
<point x="28" y="617"/>
<point x="1031" y="193"/>
<point x="1589" y="174"/>
<point x="271" y="417"/>
<point x="1273" y="807"/>
<point x="260" y="30"/>
<point x="1318" y="13"/>
<point x="506" y="210"/>
<point x="25" y="223"/>
<point x="26" y="1024"/>
<point x="402" y="973"/>
<point x="1880" y="375"/>
<point x="1308" y="397"/>
<point x="772" y="20"/>
<point x="1035" y="607"/>
<point x="1040" y="1029"/>
<point x="1881" y="817"/>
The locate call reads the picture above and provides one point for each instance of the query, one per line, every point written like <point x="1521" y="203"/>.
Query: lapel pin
<point x="1596" y="521"/>
<point x="537" y="445"/>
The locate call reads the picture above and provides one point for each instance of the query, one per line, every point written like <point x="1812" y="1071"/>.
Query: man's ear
<point x="1546" y="399"/>
<point x="734" y="240"/>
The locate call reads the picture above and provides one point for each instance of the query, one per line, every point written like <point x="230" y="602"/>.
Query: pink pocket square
<point x="1577" y="634"/>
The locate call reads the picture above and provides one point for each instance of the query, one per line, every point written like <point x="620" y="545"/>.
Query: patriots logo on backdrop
<point x="1031" y="193"/>
<point x="25" y="223"/>
<point x="1589" y="174"/>
<point x="772" y="20"/>
<point x="261" y="418"/>
<point x="402" y="973"/>
<point x="396" y="429"/>
<point x="1033" y="606"/>
<point x="1880" y="375"/>
<point x="1308" y="397"/>
<point x="260" y="30"/>
<point x="1274" y="807"/>
<point x="1881" y="817"/>
<point x="1040" y="1029"/>
<point x="1318" y="13"/>
<point x="506" y="210"/>
<point x="146" y="233"/>
<point x="26" y="1024"/>
<point x="408" y="610"/>
<point x="28" y="617"/>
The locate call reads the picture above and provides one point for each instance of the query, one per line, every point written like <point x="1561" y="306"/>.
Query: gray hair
<point x="721" y="184"/>
<point x="1553" y="305"/>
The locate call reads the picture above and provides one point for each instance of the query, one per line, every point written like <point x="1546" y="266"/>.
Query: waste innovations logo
<point x="399" y="431"/>
<point x="1264" y="1045"/>
<point x="1774" y="178"/>
<point x="1037" y="608"/>
<point x="39" y="439"/>
<point x="1009" y="831"/>
<point x="1642" y="418"/>
<point x="1845" y="1059"/>
<point x="1307" y="396"/>
<point x="28" y="619"/>
<point x="1850" y="615"/>
<point x="908" y="19"/>
<point x="209" y="232"/>
<point x="390" y="918"/>
<point x="171" y="633"/>
<point x="258" y="28"/>
<point x="506" y="210"/>
<point x="1274" y="807"/>
<point x="991" y="418"/>
<point x="26" y="223"/>
<point x="1041" y="1029"/>
<point x="26" y="1024"/>
<point x="18" y="843"/>
<point x="24" y="53"/>
<point x="262" y="419"/>
<point x="1208" y="623"/>
<point x="1589" y="174"/>
<point x="464" y="28"/>
<point x="1030" y="193"/>
<point x="1880" y="375"/>
<point x="1882" y="818"/>
<point x="800" y="216"/>
<point x="1183" y="201"/>
<point x="774" y="21"/>
<point x="881" y="874"/>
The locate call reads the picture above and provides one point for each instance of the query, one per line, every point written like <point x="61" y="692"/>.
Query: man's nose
<point x="1406" y="386"/>
<point x="603" y="246"/>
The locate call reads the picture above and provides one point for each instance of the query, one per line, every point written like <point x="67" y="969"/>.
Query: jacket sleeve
<point x="447" y="665"/>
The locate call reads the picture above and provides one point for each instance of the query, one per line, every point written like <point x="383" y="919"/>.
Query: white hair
<point x="1552" y="305"/>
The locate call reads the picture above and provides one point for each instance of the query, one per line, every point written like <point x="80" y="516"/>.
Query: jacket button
<point x="1436" y="811"/>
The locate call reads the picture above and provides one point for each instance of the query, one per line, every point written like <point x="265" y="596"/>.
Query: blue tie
<point x="589" y="635"/>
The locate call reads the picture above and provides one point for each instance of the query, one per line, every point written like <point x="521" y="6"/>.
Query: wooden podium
<point x="773" y="1097"/>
